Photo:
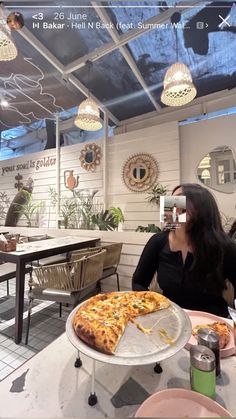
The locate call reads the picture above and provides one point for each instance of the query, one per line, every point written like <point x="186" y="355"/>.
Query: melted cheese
<point x="140" y="327"/>
<point x="167" y="339"/>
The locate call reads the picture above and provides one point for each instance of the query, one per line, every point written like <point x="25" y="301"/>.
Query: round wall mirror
<point x="140" y="172"/>
<point x="90" y="157"/>
<point x="217" y="170"/>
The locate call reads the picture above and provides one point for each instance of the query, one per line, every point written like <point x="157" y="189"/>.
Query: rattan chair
<point x="68" y="283"/>
<point x="51" y="260"/>
<point x="112" y="259"/>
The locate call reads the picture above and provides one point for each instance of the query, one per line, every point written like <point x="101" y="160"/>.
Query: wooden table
<point x="37" y="250"/>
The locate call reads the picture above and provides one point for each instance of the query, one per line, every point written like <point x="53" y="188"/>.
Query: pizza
<point x="221" y="328"/>
<point x="101" y="321"/>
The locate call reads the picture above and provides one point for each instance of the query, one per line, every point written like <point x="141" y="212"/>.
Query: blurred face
<point x="180" y="192"/>
<point x="12" y="22"/>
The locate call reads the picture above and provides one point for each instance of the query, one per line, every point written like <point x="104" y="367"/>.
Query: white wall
<point x="197" y="140"/>
<point x="162" y="142"/>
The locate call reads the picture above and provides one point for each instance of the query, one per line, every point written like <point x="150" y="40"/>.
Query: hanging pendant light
<point x="8" y="50"/>
<point x="88" y="117"/>
<point x="178" y="86"/>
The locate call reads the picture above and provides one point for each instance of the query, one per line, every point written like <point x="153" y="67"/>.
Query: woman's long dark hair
<point x="206" y="235"/>
<point x="232" y="229"/>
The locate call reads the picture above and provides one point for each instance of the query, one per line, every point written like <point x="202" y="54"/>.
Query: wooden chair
<point x="112" y="259"/>
<point x="68" y="283"/>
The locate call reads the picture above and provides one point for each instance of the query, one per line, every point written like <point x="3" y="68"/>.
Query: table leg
<point x="92" y="400"/>
<point x="158" y="369"/>
<point x="78" y="362"/>
<point x="20" y="288"/>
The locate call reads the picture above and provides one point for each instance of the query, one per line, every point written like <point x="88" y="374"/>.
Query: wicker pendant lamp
<point x="178" y="84"/>
<point x="88" y="118"/>
<point x="8" y="50"/>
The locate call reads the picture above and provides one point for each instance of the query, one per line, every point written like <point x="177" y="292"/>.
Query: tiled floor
<point x="46" y="326"/>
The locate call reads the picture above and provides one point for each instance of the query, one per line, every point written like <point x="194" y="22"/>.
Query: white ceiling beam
<point x="212" y="103"/>
<point x="125" y="52"/>
<point x="31" y="39"/>
<point x="130" y="35"/>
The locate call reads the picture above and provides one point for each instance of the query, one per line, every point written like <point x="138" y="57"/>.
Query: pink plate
<point x="200" y="317"/>
<point x="180" y="403"/>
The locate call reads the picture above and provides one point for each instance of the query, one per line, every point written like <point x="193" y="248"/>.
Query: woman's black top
<point x="177" y="279"/>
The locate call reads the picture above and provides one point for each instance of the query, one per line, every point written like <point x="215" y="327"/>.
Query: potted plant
<point x="29" y="208"/>
<point x="4" y="205"/>
<point x="85" y="207"/>
<point x="151" y="228"/>
<point x="53" y="201"/>
<point x="68" y="213"/>
<point x="117" y="215"/>
<point x="104" y="220"/>
<point x="153" y="196"/>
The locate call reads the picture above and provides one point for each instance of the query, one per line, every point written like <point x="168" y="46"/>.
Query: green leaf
<point x="104" y="220"/>
<point x="117" y="215"/>
<point x="153" y="196"/>
<point x="151" y="228"/>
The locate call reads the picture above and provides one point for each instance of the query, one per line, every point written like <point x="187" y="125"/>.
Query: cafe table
<point x="49" y="386"/>
<point x="26" y="253"/>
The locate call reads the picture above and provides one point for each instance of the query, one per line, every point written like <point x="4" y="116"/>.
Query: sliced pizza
<point x="221" y="328"/>
<point x="101" y="321"/>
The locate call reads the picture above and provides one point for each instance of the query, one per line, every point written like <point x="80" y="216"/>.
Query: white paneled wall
<point x="45" y="177"/>
<point x="29" y="166"/>
<point x="162" y="142"/>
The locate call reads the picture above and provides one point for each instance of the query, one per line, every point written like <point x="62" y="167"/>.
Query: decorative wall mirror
<point x="217" y="169"/>
<point x="140" y="172"/>
<point x="90" y="156"/>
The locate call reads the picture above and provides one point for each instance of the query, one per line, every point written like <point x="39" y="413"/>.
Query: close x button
<point x="224" y="22"/>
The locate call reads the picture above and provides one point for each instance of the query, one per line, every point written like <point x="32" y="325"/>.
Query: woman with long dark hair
<point x="193" y="261"/>
<point x="232" y="231"/>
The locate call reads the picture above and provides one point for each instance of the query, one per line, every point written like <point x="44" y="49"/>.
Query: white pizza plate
<point x="200" y="317"/>
<point x="136" y="347"/>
